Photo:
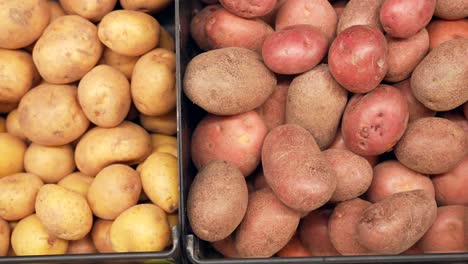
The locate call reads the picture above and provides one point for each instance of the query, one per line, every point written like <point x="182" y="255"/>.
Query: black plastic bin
<point x="198" y="251"/>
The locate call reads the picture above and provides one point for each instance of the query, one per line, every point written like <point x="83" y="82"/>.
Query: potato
<point x="339" y="7"/>
<point x="342" y="227"/>
<point x="358" y="58"/>
<point x="217" y="201"/>
<point x="77" y="182"/>
<point x="63" y="56"/>
<point x="165" y="124"/>
<point x="93" y="10"/>
<point x="64" y="213"/>
<point x="396" y="223"/>
<point x="414" y="250"/>
<point x="228" y="81"/>
<point x="50" y="115"/>
<point x="432" y="145"/>
<point x="249" y="8"/>
<point x="147" y="6"/>
<point x="373" y="123"/>
<point x="451" y="9"/>
<point x="4" y="237"/>
<point x="450" y="187"/>
<point x="17" y="72"/>
<point x="403" y="19"/>
<point x="3" y="128"/>
<point x="267" y="227"/>
<point x="314" y="233"/>
<point x="153" y="83"/>
<point x="316" y="102"/>
<point x="294" y="49"/>
<point x="439" y="81"/>
<point x="447" y="233"/>
<point x="22" y="22"/>
<point x="123" y="63"/>
<point x="160" y="139"/>
<point x="101" y="236"/>
<point x="140" y="228"/>
<point x="353" y="174"/>
<point x="295" y="169"/>
<point x="51" y="164"/>
<point x="82" y="246"/>
<point x="226" y="247"/>
<point x="318" y="13"/>
<point x="459" y="119"/>
<point x="273" y="110"/>
<point x="160" y="180"/>
<point x="360" y="12"/>
<point x="416" y="109"/>
<point x="30" y="237"/>
<point x="198" y="23"/>
<point x="236" y="138"/>
<point x="12" y="151"/>
<point x="127" y="143"/>
<point x="56" y="10"/>
<point x="115" y="189"/>
<point x="294" y="249"/>
<point x="129" y="32"/>
<point x="13" y="125"/>
<point x="167" y="148"/>
<point x="166" y="41"/>
<point x="104" y="95"/>
<point x="441" y="31"/>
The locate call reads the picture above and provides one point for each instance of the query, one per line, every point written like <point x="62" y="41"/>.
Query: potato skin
<point x="393" y="225"/>
<point x="249" y="8"/>
<point x="342" y="227"/>
<point x="12" y="125"/>
<point x="360" y="12"/>
<point x="198" y="23"/>
<point x="93" y="10"/>
<point x="416" y="109"/>
<point x="151" y="6"/>
<point x="316" y="102"/>
<point x="267" y="227"/>
<point x="295" y="169"/>
<point x="315" y="234"/>
<point x="5" y="237"/>
<point x="217" y="201"/>
<point x="295" y="249"/>
<point x="451" y="9"/>
<point x="450" y="187"/>
<point x="82" y="246"/>
<point x="164" y="124"/>
<point x="441" y="31"/>
<point x="273" y="110"/>
<point x="12" y="151"/>
<point x="432" y="145"/>
<point x="439" y="81"/>
<point x="308" y="44"/>
<point x="77" y="182"/>
<point x="226" y="247"/>
<point x="17" y="72"/>
<point x="403" y="19"/>
<point x="123" y="63"/>
<point x="373" y="123"/>
<point x="358" y="58"/>
<point x="246" y="87"/>
<point x="101" y="236"/>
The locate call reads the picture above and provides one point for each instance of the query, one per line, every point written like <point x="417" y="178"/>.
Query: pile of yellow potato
<point x="88" y="156"/>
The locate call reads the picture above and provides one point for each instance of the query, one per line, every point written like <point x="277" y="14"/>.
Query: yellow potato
<point x="12" y="151"/>
<point x="51" y="164"/>
<point x="165" y="40"/>
<point x="77" y="182"/>
<point x="13" y="125"/>
<point x="82" y="246"/>
<point x="129" y="32"/>
<point x="147" y="6"/>
<point x="3" y="127"/>
<point x="167" y="148"/>
<point x="31" y="238"/>
<point x="104" y="96"/>
<point x="22" y="22"/>
<point x="159" y="139"/>
<point x="50" y="115"/>
<point x="153" y="83"/>
<point x="67" y="50"/>
<point x="4" y="237"/>
<point x="160" y="180"/>
<point x="115" y="189"/>
<point x="101" y="236"/>
<point x="165" y="124"/>
<point x="18" y="195"/>
<point x="56" y="10"/>
<point x="143" y="227"/>
<point x="7" y="107"/>
<point x="64" y="213"/>
<point x="93" y="10"/>
<point x="123" y="63"/>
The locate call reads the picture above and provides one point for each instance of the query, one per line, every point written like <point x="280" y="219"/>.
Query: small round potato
<point x="82" y="246"/>
<point x="4" y="237"/>
<point x="104" y="96"/>
<point x="165" y="124"/>
<point x="140" y="228"/>
<point x="22" y="22"/>
<point x="93" y="10"/>
<point x="12" y="151"/>
<point x="123" y="63"/>
<point x="129" y="32"/>
<point x="77" y="182"/>
<point x="147" y="6"/>
<point x="18" y="195"/>
<point x="13" y="125"/>
<point x="64" y="213"/>
<point x="101" y="236"/>
<point x="153" y="83"/>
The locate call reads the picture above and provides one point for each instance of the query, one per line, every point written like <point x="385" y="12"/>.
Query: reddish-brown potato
<point x="450" y="187"/>
<point x="451" y="9"/>
<point x="226" y="247"/>
<point x="358" y="58"/>
<point x="415" y="108"/>
<point x="236" y="138"/>
<point x="294" y="249"/>
<point x="403" y="19"/>
<point x="373" y="123"/>
<point x="414" y="250"/>
<point x="459" y="119"/>
<point x="294" y="49"/>
<point x="338" y="143"/>
<point x="314" y="233"/>
<point x="339" y="7"/>
<point x="360" y="12"/>
<point x="443" y="30"/>
<point x="259" y="181"/>
<point x="249" y="8"/>
<point x="273" y="110"/>
<point x="392" y="177"/>
<point x="197" y="26"/>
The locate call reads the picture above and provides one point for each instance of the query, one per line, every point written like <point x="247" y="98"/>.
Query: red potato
<point x="360" y="12"/>
<point x="339" y="7"/>
<point x="249" y="8"/>
<point x="294" y="249"/>
<point x="447" y="233"/>
<point x="414" y="250"/>
<point x="403" y="19"/>
<point x="338" y="143"/>
<point x="392" y="177"/>
<point x="236" y="138"/>
<point x="197" y="26"/>
<point x="444" y="30"/>
<point x="273" y="110"/>
<point x="415" y="108"/>
<point x="358" y="58"/>
<point x="294" y="49"/>
<point x="450" y="187"/>
<point x="314" y="233"/>
<point x="373" y="123"/>
<point x="226" y="247"/>
<point x="224" y="29"/>
<point x="318" y="13"/>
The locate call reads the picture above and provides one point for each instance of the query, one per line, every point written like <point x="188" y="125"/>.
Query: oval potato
<point x="17" y="73"/>
<point x="93" y="10"/>
<point x="12" y="151"/>
<point x="77" y="182"/>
